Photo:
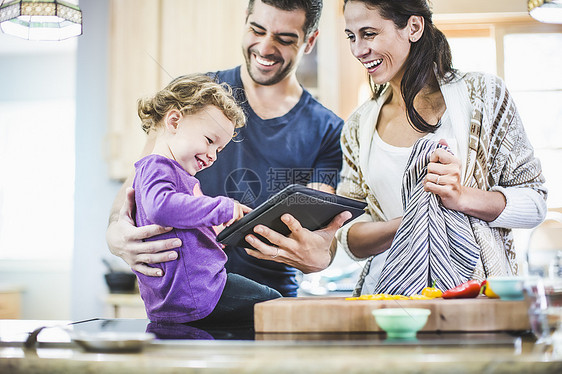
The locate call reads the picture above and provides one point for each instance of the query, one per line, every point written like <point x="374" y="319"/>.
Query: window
<point x="532" y="73"/>
<point x="37" y="115"/>
<point x="527" y="56"/>
<point x="464" y="58"/>
<point x="37" y="184"/>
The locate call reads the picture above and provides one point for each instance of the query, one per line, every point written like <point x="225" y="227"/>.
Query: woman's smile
<point x="372" y="36"/>
<point x="372" y="65"/>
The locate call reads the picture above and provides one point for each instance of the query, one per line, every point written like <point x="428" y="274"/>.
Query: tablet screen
<point x="312" y="208"/>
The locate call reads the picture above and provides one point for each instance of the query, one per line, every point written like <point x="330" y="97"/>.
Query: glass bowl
<point x="401" y="323"/>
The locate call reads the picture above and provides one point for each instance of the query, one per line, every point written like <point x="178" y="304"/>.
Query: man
<point x="289" y="137"/>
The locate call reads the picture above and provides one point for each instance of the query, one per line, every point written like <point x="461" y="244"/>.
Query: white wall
<point x="94" y="192"/>
<point x="34" y="72"/>
<point x="479" y="6"/>
<point x="45" y="287"/>
<point x="69" y="288"/>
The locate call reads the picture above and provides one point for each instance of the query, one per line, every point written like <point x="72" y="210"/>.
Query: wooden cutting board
<point x="335" y="314"/>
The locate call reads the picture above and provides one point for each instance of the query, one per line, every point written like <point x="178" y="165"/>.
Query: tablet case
<point x="312" y="208"/>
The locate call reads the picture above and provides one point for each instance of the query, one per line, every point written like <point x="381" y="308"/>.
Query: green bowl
<point x="507" y="288"/>
<point x="401" y="323"/>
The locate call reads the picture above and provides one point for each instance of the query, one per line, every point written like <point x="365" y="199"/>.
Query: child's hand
<point x="217" y="229"/>
<point x="239" y="211"/>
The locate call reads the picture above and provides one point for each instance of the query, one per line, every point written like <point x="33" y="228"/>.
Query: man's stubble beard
<point x="276" y="78"/>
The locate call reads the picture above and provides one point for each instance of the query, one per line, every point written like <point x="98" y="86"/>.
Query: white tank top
<point x="387" y="164"/>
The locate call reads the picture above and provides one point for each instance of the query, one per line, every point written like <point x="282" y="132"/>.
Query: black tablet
<point x="313" y="209"/>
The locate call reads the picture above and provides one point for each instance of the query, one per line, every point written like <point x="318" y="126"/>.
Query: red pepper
<point x="466" y="290"/>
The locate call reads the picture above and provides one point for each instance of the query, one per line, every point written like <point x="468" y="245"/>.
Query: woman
<point x="474" y="159"/>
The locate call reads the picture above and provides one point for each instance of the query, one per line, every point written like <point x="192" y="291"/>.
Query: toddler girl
<point x="193" y="119"/>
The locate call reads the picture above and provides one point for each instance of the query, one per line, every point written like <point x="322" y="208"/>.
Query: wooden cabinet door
<point x="133" y="73"/>
<point x="153" y="41"/>
<point x="10" y="305"/>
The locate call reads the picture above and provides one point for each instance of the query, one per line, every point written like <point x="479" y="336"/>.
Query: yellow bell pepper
<point x="432" y="292"/>
<point x="420" y="297"/>
<point x="385" y="296"/>
<point x="488" y="291"/>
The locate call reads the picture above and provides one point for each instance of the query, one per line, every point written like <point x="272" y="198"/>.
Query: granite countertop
<point x="280" y="353"/>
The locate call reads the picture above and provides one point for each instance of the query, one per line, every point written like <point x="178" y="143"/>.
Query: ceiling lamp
<point x="548" y="11"/>
<point x="40" y="19"/>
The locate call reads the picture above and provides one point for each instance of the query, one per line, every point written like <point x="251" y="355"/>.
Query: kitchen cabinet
<point x="133" y="73"/>
<point x="153" y="41"/>
<point x="124" y="305"/>
<point x="10" y="302"/>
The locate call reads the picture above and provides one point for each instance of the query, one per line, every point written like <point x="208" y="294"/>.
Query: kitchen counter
<point x="199" y="351"/>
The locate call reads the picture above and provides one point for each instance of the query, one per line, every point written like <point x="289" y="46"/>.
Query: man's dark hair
<point x="312" y="9"/>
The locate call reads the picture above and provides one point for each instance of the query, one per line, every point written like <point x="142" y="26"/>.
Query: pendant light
<point x="40" y="19"/>
<point x="548" y="11"/>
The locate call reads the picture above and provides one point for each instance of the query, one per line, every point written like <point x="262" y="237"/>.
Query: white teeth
<point x="372" y="64"/>
<point x="264" y="62"/>
<point x="201" y="164"/>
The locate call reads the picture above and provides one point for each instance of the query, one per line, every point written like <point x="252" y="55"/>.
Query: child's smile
<point x="196" y="139"/>
<point x="202" y="165"/>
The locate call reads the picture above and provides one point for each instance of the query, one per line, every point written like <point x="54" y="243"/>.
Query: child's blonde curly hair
<point x="189" y="94"/>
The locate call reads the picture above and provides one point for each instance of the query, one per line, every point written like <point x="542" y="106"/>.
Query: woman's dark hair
<point x="312" y="9"/>
<point x="430" y="56"/>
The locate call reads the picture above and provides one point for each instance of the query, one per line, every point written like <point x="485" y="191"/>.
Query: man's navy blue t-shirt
<point x="303" y="146"/>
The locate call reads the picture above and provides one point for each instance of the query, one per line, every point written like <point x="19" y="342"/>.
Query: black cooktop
<point x="167" y="332"/>
<point x="53" y="332"/>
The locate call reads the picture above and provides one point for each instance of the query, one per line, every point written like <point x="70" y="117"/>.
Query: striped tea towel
<point x="433" y="243"/>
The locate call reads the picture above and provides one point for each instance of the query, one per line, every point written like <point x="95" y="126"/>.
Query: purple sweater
<point x="167" y="195"/>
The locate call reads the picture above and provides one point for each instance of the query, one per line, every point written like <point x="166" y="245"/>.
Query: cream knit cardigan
<point x="498" y="156"/>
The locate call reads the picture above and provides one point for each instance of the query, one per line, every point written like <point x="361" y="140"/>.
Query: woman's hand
<point x="308" y="251"/>
<point x="125" y="240"/>
<point x="444" y="178"/>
